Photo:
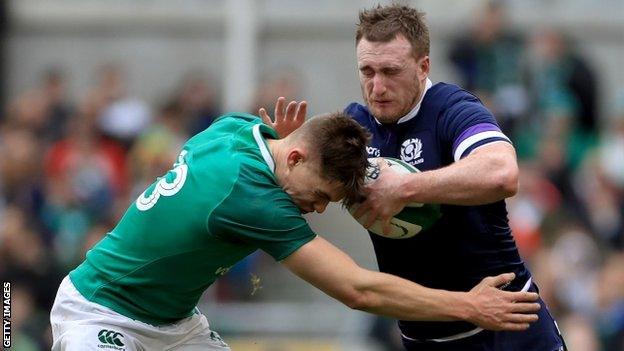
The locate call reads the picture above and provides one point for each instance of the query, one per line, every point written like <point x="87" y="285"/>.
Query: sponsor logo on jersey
<point x="373" y="151"/>
<point x="411" y="151"/>
<point x="111" y="339"/>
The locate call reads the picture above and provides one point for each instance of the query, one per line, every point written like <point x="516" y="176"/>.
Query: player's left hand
<point x="383" y="199"/>
<point x="287" y="118"/>
<point x="496" y="309"/>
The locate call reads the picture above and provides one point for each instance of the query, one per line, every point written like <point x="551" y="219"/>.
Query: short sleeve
<point x="258" y="212"/>
<point x="466" y="124"/>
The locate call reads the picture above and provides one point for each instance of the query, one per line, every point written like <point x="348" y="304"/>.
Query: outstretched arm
<point x="331" y="270"/>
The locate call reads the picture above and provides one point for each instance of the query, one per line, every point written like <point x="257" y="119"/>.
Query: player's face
<point x="391" y="78"/>
<point x="309" y="190"/>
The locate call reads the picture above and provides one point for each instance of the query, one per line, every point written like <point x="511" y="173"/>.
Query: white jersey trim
<point x="468" y="142"/>
<point x="266" y="154"/>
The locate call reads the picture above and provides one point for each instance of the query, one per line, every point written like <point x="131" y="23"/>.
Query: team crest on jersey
<point x="411" y="151"/>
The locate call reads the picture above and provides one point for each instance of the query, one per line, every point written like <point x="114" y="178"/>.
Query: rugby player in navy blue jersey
<point x="469" y="167"/>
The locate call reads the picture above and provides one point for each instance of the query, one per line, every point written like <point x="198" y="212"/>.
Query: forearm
<point x="388" y="295"/>
<point x="475" y="180"/>
<point x="331" y="270"/>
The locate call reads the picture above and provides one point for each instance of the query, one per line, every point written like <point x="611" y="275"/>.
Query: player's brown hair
<point x="340" y="143"/>
<point x="384" y="23"/>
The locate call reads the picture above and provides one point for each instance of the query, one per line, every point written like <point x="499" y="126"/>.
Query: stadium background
<point x="97" y="97"/>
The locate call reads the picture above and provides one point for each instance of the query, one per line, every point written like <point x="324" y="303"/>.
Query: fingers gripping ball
<point x="414" y="218"/>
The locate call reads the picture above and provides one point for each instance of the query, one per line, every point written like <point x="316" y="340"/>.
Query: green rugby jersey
<point x="218" y="204"/>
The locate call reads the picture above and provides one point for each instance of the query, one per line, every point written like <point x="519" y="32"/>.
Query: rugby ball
<point x="414" y="218"/>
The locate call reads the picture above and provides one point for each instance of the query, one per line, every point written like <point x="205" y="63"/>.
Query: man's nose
<point x="379" y="86"/>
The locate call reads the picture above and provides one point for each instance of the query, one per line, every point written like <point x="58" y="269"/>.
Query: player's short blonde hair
<point x="384" y="23"/>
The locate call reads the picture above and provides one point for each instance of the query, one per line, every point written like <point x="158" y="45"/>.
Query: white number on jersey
<point x="164" y="188"/>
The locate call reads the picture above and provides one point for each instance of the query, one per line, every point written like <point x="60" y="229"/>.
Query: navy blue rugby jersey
<point x="468" y="243"/>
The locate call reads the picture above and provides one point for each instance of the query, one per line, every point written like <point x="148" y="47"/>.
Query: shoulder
<point x="358" y="112"/>
<point x="450" y="95"/>
<point x="355" y="108"/>
<point x="454" y="103"/>
<point x="235" y="120"/>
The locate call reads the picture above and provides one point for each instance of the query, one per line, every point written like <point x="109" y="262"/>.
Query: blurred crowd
<point x="568" y="216"/>
<point x="72" y="164"/>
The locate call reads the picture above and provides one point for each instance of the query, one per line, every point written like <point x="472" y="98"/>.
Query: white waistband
<point x="469" y="333"/>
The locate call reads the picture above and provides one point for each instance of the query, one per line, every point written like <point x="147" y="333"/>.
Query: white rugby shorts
<point x="82" y="325"/>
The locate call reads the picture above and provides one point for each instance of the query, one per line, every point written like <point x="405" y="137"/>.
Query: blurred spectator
<point x="86" y="178"/>
<point x="157" y="148"/>
<point x="20" y="171"/>
<point x="4" y="29"/>
<point x="565" y="98"/>
<point x="197" y="97"/>
<point x="611" y="304"/>
<point x="59" y="109"/>
<point x="43" y="110"/>
<point x="25" y="260"/>
<point x="488" y="58"/>
<point x="575" y="260"/>
<point x="29" y="111"/>
<point x="564" y="78"/>
<point x="611" y="145"/>
<point x="119" y="116"/>
<point x="24" y="327"/>
<point x="580" y="334"/>
<point x="611" y="165"/>
<point x="537" y="199"/>
<point x="282" y="81"/>
<point x="602" y="203"/>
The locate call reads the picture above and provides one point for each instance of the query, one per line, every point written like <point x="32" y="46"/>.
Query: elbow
<point x="357" y="301"/>
<point x="507" y="181"/>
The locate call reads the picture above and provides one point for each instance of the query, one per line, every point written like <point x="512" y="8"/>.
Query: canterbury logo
<point x="110" y="337"/>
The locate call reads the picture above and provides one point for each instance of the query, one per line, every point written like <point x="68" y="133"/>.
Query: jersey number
<point x="168" y="185"/>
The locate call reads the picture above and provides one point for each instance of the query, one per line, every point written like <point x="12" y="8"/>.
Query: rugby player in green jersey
<point x="236" y="188"/>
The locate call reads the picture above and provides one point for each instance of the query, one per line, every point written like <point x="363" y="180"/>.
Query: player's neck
<point x="277" y="147"/>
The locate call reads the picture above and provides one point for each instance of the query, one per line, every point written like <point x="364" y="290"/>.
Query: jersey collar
<point x="416" y="108"/>
<point x="264" y="149"/>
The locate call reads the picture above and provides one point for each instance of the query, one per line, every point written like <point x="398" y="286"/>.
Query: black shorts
<point x="542" y="335"/>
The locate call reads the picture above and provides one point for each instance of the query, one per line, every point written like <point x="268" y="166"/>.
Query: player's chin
<point x="386" y="115"/>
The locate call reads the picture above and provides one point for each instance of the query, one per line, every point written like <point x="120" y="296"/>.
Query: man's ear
<point x="423" y="67"/>
<point x="295" y="157"/>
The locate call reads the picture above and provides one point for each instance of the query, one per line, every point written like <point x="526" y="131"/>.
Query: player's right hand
<point x="496" y="309"/>
<point x="287" y="118"/>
